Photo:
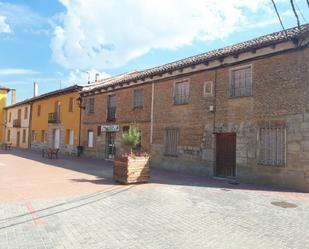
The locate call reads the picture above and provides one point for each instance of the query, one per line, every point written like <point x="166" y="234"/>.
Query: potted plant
<point x="130" y="166"/>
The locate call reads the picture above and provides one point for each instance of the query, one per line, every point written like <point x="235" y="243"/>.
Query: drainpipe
<point x="214" y="123"/>
<point x="151" y="117"/>
<point x="30" y="124"/>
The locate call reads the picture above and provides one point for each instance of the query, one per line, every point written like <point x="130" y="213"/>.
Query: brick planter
<point x="132" y="169"/>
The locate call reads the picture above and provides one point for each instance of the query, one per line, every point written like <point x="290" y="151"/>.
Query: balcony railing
<point x="111" y="113"/>
<point x="54" y="117"/>
<point x="17" y="123"/>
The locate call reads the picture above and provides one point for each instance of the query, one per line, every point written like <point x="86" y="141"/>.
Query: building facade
<point x="240" y="112"/>
<point x="55" y="120"/>
<point x="110" y="112"/>
<point x="17" y="124"/>
<point x="3" y="97"/>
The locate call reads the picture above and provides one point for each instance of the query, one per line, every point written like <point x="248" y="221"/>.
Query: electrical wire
<point x="295" y="13"/>
<point x="300" y="12"/>
<point x="278" y="15"/>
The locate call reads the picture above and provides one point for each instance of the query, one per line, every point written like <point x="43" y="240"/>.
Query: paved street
<point x="74" y="203"/>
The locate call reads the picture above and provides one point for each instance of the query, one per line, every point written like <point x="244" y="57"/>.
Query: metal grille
<point x="138" y="98"/>
<point x="241" y="82"/>
<point x="171" y="141"/>
<point x="272" y="146"/>
<point x="182" y="93"/>
<point x="90" y="105"/>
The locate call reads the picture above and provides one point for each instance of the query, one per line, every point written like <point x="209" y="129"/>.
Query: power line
<point x="295" y="13"/>
<point x="308" y="3"/>
<point x="278" y="15"/>
<point x="301" y="13"/>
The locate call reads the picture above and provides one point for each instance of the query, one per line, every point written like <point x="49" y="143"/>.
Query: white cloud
<point x="4" y="26"/>
<point x="81" y="77"/>
<point x="16" y="71"/>
<point x="107" y="34"/>
<point x="23" y="19"/>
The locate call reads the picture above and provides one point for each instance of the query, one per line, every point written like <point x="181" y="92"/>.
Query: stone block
<point x="294" y="147"/>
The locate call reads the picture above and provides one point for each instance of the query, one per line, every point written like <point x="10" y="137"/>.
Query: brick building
<point x="239" y="112"/>
<point x="109" y="110"/>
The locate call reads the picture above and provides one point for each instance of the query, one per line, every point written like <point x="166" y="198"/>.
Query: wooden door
<point x="226" y="155"/>
<point x="18" y="139"/>
<point x="56" y="138"/>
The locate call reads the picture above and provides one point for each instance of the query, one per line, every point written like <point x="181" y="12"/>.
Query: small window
<point x="71" y="104"/>
<point x="208" y="88"/>
<point x="171" y="141"/>
<point x="24" y="136"/>
<point x="241" y="82"/>
<point x="138" y="98"/>
<point x="125" y="129"/>
<point x="90" y="105"/>
<point x="26" y="113"/>
<point x="39" y="110"/>
<point x="182" y="93"/>
<point x="8" y="136"/>
<point x="10" y="116"/>
<point x="90" y="138"/>
<point x="272" y="145"/>
<point x="43" y="136"/>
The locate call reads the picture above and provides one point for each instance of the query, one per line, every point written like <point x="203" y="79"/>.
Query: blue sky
<point x="56" y="42"/>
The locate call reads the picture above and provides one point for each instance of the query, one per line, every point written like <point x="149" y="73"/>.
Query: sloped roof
<point x="263" y="41"/>
<point x="47" y="95"/>
<point x="4" y="88"/>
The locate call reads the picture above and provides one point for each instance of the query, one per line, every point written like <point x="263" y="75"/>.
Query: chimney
<point x="97" y="77"/>
<point x="35" y="89"/>
<point x="13" y="99"/>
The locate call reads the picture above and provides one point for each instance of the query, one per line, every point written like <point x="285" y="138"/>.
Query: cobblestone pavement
<point x="174" y="211"/>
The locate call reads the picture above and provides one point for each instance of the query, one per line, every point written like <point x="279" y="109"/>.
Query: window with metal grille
<point x="138" y="98"/>
<point x="272" y="145"/>
<point x="182" y="93"/>
<point x="241" y="82"/>
<point x="90" y="105"/>
<point x="171" y="141"/>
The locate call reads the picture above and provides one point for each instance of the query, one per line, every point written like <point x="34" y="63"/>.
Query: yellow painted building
<point x="3" y="97"/>
<point x="55" y="120"/>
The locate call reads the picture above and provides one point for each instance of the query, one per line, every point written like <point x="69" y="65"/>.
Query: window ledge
<point x="186" y="103"/>
<point x="169" y="155"/>
<point x="240" y="97"/>
<point x="136" y="108"/>
<point x="271" y="165"/>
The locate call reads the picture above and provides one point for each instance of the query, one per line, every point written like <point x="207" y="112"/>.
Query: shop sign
<point x="109" y="128"/>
